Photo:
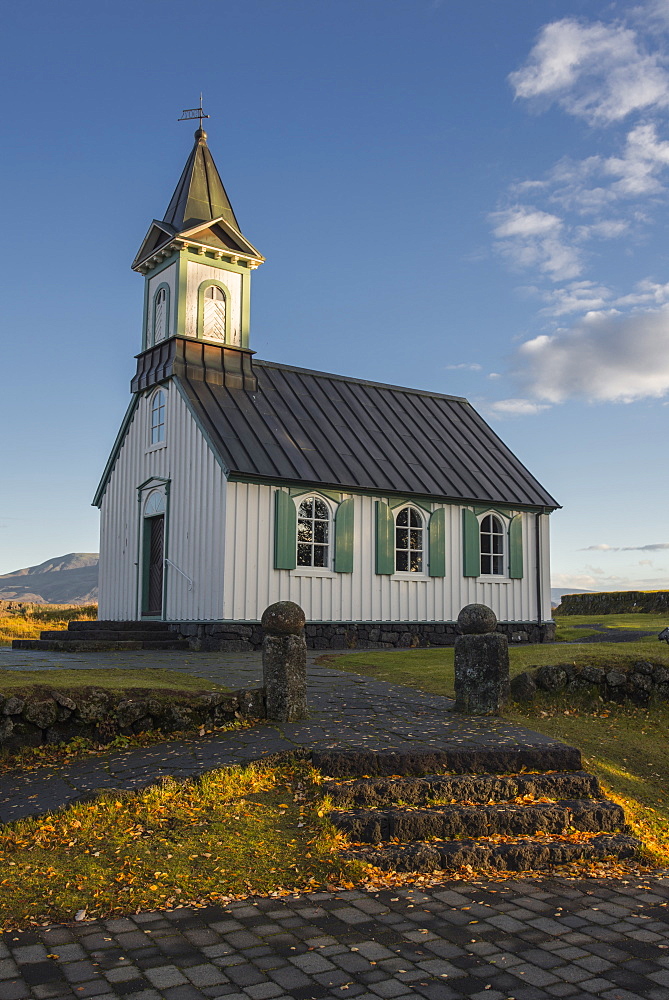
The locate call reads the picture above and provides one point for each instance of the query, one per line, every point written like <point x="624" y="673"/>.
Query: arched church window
<point x="213" y="320"/>
<point x="313" y="533"/>
<point x="160" y="315"/>
<point x="409" y="541"/>
<point x="492" y="546"/>
<point x="157" y="412"/>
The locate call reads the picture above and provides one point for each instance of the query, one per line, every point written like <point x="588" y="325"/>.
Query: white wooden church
<point x="234" y="482"/>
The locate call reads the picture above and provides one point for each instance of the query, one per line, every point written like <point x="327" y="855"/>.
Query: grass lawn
<point x="233" y="832"/>
<point x="155" y="679"/>
<point x="568" y="632"/>
<point x="431" y="670"/>
<point x="29" y="624"/>
<point x="625" y="746"/>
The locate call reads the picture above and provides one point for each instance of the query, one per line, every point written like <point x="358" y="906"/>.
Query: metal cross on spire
<point x="189" y="113"/>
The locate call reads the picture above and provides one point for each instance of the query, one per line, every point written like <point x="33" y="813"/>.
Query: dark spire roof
<point x="199" y="196"/>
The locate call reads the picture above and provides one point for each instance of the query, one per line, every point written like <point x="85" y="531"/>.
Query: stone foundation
<point x="240" y="637"/>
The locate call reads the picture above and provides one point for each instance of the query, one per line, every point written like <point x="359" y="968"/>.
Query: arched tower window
<point x="313" y="533"/>
<point x="213" y="320"/>
<point x="157" y="415"/>
<point x="492" y="546"/>
<point x="160" y="310"/>
<point x="409" y="541"/>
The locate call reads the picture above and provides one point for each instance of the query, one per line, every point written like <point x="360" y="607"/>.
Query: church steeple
<point x="199" y="196"/>
<point x="197" y="268"/>
<point x="199" y="215"/>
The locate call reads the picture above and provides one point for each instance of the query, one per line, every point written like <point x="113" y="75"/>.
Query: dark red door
<point x="154" y="591"/>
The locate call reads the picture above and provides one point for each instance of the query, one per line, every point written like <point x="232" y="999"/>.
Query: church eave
<point x="201" y="249"/>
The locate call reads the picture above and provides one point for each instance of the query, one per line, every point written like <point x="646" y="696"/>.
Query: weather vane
<point x="189" y="113"/>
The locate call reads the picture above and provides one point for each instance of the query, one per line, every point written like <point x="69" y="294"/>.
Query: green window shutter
<point x="285" y="532"/>
<point x="385" y="539"/>
<point x="437" y="543"/>
<point x="471" y="554"/>
<point x="516" y="547"/>
<point x="343" y="552"/>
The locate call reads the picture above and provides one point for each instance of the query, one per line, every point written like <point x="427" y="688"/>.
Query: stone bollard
<point x="284" y="661"/>
<point x="481" y="663"/>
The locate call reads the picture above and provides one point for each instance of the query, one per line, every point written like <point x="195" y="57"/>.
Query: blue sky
<point x="470" y="198"/>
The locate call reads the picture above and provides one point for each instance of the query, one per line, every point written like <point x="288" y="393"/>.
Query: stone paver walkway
<point x="347" y="711"/>
<point x="525" y="939"/>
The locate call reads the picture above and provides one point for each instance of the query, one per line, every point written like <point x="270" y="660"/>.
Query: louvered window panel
<point x="214" y="313"/>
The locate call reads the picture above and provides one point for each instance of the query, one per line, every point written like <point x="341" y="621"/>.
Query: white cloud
<point x="605" y="357"/>
<point x="532" y="238"/>
<point x="465" y="366"/>
<point x="578" y="296"/>
<point x="594" y="71"/>
<point x="516" y="407"/>
<point x="647" y="292"/>
<point x="653" y="547"/>
<point x="592" y="579"/>
<point x="525" y="222"/>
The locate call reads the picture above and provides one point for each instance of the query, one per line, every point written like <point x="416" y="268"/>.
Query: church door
<point x="155" y="526"/>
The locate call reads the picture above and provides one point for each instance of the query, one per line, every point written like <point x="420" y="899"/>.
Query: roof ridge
<point x="360" y="381"/>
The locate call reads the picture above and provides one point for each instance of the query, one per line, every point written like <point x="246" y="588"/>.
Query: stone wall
<point x="239" y="637"/>
<point x="48" y="716"/>
<point x="639" y="683"/>
<point x="620" y="602"/>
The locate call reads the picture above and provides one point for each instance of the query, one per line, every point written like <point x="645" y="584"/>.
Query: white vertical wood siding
<point x="251" y="582"/>
<point x="195" y="522"/>
<point x="166" y="277"/>
<point x="195" y="275"/>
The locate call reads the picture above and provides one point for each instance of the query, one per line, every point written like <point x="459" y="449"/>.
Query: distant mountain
<point x="69" y="579"/>
<point x="557" y="592"/>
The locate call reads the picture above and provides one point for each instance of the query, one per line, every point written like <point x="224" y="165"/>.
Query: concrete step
<point x="93" y="626"/>
<point x="93" y="646"/>
<point x="374" y="826"/>
<point x="474" y="760"/>
<point x="523" y="854"/>
<point x="110" y="635"/>
<point x="373" y="793"/>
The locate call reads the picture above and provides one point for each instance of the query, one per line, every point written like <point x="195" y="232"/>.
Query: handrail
<point x="168" y="562"/>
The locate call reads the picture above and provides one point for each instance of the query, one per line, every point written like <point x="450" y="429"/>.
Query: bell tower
<point x="197" y="270"/>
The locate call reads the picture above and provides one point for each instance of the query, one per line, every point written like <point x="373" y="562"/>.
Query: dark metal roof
<point x="199" y="196"/>
<point x="313" y="427"/>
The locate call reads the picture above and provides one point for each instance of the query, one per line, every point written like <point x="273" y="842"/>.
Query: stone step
<point x="483" y="760"/>
<point x="374" y="826"/>
<point x="124" y="626"/>
<point x="110" y="635"/>
<point x="92" y="646"/>
<point x="379" y="792"/>
<point x="527" y="854"/>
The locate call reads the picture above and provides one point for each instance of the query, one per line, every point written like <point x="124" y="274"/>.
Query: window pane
<point x="497" y="565"/>
<point x="485" y="543"/>
<point x="304" y="532"/>
<point x="416" y="539"/>
<point x="307" y="508"/>
<point x="486" y="524"/>
<point x="401" y="538"/>
<point x="320" y="531"/>
<point x="497" y="543"/>
<point x="485" y="564"/>
<point x="416" y="562"/>
<point x="401" y="561"/>
<point x="320" y="555"/>
<point x="304" y="555"/>
<point x="320" y="510"/>
<point x="415" y="517"/>
<point x="403" y="517"/>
